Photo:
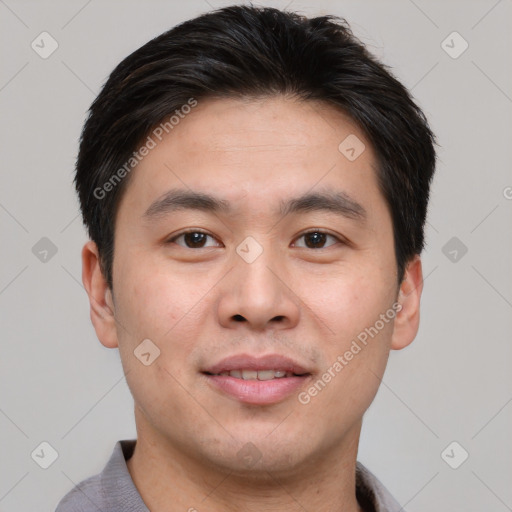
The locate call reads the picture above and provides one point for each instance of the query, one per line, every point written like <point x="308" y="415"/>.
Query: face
<point x="266" y="280"/>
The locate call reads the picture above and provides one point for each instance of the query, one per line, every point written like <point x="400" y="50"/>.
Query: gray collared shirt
<point x="113" y="489"/>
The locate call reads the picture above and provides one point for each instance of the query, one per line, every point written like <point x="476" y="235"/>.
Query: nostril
<point x="238" y="318"/>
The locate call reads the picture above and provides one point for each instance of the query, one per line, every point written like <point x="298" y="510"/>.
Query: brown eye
<point x="317" y="239"/>
<point x="192" y="239"/>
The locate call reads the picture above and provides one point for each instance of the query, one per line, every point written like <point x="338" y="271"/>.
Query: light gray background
<point x="60" y="385"/>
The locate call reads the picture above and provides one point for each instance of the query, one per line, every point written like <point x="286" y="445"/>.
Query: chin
<point x="254" y="455"/>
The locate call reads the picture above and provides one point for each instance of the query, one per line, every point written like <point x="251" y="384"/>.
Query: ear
<point x="100" y="296"/>
<point x="407" y="319"/>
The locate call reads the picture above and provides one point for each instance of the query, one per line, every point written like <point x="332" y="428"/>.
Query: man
<point x="255" y="187"/>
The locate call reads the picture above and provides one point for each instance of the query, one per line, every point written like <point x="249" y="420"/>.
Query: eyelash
<point x="320" y="231"/>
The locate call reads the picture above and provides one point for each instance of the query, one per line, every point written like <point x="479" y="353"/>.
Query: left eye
<point x="316" y="238"/>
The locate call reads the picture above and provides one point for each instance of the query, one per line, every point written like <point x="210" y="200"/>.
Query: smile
<point x="258" y="374"/>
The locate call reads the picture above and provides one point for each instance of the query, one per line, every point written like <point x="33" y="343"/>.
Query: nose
<point x="259" y="293"/>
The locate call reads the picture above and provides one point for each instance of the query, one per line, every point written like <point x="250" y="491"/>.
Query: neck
<point x="164" y="475"/>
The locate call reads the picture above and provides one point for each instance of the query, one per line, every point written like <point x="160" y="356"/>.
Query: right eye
<point x="193" y="239"/>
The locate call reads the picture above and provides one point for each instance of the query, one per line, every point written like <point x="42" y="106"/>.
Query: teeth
<point x="257" y="374"/>
<point x="266" y="375"/>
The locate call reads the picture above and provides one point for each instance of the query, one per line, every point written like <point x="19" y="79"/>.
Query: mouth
<point x="257" y="380"/>
<point x="257" y="374"/>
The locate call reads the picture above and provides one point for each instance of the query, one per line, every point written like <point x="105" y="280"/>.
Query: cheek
<point x="357" y="334"/>
<point x="155" y="302"/>
<point x="161" y="305"/>
<point x="347" y="304"/>
<point x="355" y="355"/>
<point x="156" y="306"/>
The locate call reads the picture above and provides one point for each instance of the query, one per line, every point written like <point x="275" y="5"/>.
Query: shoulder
<point x="108" y="491"/>
<point x="84" y="497"/>
<point x="372" y="493"/>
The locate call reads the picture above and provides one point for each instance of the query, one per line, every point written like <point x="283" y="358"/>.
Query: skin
<point x="199" y="305"/>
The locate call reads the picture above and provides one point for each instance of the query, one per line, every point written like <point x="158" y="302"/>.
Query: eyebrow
<point x="336" y="202"/>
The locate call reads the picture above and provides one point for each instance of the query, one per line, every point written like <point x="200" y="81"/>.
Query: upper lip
<point x="248" y="362"/>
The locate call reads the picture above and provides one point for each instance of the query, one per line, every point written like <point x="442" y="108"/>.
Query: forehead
<point x="254" y="151"/>
<point x="263" y="125"/>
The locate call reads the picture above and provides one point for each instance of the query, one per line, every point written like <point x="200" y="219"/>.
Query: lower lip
<point x="257" y="392"/>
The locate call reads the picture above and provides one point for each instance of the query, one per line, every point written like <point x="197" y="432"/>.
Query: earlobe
<point x="100" y="296"/>
<point x="407" y="320"/>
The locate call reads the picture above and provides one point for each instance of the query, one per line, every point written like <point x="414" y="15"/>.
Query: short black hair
<point x="253" y="52"/>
